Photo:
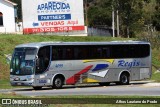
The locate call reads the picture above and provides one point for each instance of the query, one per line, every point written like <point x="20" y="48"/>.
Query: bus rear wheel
<point x="57" y="83"/>
<point x="124" y="79"/>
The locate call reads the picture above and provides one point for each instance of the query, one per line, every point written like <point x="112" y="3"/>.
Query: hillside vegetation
<point x="8" y="42"/>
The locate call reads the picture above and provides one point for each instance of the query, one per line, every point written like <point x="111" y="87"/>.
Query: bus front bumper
<point x="21" y="83"/>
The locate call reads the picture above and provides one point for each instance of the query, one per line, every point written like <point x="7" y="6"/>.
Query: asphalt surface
<point x="135" y="88"/>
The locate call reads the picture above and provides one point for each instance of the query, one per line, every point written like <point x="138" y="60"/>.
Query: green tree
<point x="156" y="17"/>
<point x="99" y="13"/>
<point x="131" y="16"/>
<point x="19" y="9"/>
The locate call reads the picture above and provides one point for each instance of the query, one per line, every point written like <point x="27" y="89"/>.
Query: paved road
<point x="135" y="88"/>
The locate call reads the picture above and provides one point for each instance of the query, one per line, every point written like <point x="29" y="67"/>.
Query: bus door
<point x="42" y="66"/>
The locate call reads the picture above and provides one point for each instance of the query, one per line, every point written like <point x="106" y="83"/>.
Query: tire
<point x="37" y="88"/>
<point x="124" y="79"/>
<point x="57" y="83"/>
<point x="104" y="83"/>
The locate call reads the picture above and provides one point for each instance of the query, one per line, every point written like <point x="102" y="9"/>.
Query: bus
<point x="54" y="64"/>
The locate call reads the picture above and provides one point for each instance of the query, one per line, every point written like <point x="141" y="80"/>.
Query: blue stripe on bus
<point x="100" y="67"/>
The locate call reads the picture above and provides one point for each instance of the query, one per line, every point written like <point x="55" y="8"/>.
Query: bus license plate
<point x="19" y="83"/>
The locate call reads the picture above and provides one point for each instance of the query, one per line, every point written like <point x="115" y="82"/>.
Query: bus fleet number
<point x="59" y="66"/>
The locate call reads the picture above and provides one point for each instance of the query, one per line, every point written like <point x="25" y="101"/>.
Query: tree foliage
<point x="156" y="18"/>
<point x="99" y="13"/>
<point x="19" y="9"/>
<point x="131" y="16"/>
<point x="135" y="16"/>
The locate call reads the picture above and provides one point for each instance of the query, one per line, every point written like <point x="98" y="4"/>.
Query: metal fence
<point x="99" y="32"/>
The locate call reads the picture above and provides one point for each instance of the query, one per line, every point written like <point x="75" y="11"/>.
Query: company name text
<point x="53" y="6"/>
<point x="123" y="63"/>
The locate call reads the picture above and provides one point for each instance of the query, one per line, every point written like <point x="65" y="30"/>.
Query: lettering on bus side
<point x="123" y="63"/>
<point x="59" y="65"/>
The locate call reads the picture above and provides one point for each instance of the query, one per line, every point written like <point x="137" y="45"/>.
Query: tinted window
<point x="130" y="51"/>
<point x="1" y="19"/>
<point x="43" y="59"/>
<point x="79" y="52"/>
<point x="99" y="52"/>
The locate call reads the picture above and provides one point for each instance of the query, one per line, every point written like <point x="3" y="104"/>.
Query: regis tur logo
<point x="129" y="64"/>
<point x="53" y="6"/>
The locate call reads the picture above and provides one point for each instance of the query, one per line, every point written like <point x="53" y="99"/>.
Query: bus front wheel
<point x="57" y="83"/>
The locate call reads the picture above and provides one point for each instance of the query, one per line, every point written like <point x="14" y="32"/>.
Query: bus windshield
<point x="23" y="61"/>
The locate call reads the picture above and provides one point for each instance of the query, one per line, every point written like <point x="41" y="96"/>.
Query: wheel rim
<point x="58" y="82"/>
<point x="124" y="79"/>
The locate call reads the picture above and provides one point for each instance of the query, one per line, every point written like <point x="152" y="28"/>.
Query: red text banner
<point x="53" y="29"/>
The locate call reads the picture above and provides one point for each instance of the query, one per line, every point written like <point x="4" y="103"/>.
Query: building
<point x="7" y="16"/>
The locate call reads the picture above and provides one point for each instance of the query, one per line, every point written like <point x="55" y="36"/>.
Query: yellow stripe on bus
<point x="90" y="80"/>
<point x="99" y="60"/>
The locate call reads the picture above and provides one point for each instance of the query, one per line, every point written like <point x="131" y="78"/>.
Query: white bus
<point x="54" y="64"/>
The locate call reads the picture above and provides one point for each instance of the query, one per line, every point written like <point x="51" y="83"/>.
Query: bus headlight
<point x="11" y="70"/>
<point x="11" y="79"/>
<point x="30" y="79"/>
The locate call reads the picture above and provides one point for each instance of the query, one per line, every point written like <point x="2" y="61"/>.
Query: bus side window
<point x="55" y="55"/>
<point x="69" y="53"/>
<point x="105" y="52"/>
<point x="83" y="53"/>
<point x="93" y="53"/>
<point x="43" y="59"/>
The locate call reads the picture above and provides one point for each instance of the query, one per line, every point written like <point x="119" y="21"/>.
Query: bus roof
<point x="41" y="44"/>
